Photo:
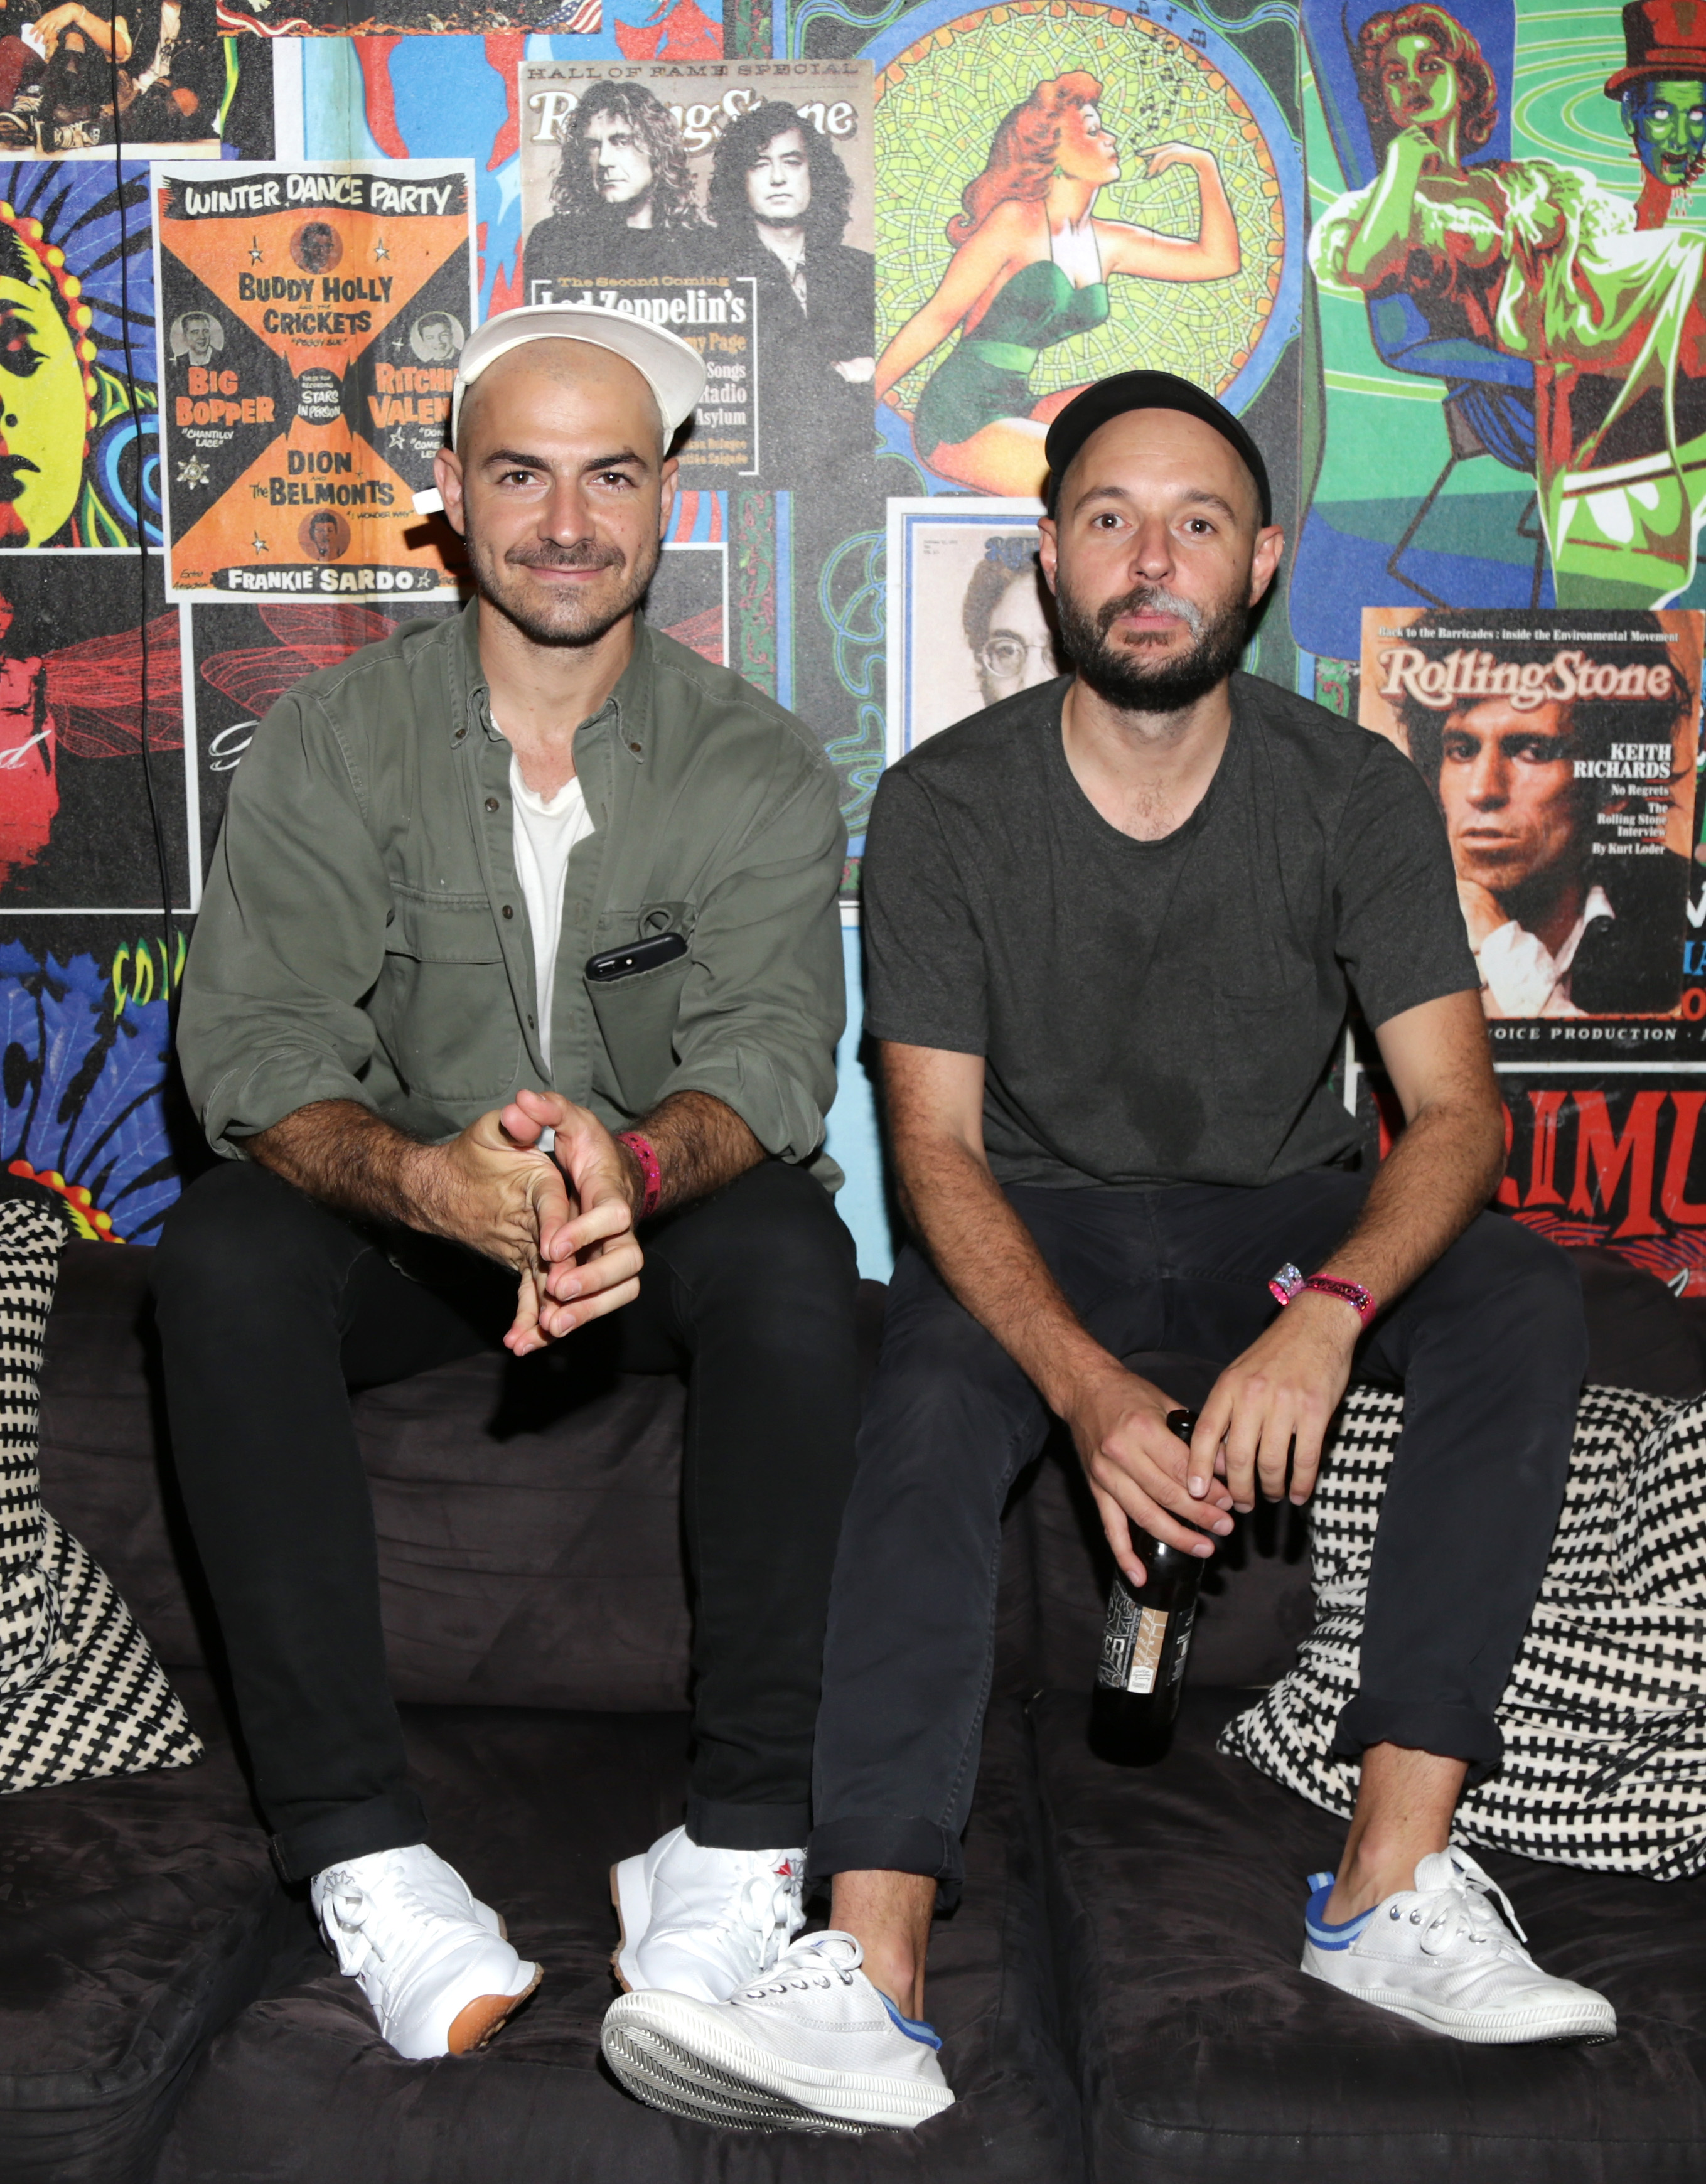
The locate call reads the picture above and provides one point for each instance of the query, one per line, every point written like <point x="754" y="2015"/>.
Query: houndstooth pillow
<point x="1604" y="1716"/>
<point x="81" y="1691"/>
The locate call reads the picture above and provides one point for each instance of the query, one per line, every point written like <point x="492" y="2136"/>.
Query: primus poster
<point x="732" y="201"/>
<point x="1562" y="750"/>
<point x="310" y="322"/>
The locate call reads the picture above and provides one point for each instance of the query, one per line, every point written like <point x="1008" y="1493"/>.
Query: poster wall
<point x="1476" y="448"/>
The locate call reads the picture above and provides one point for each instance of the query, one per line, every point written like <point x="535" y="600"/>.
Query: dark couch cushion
<point x="137" y="1915"/>
<point x="532" y="1808"/>
<point x="1639" y="1336"/>
<point x="1206" y="2057"/>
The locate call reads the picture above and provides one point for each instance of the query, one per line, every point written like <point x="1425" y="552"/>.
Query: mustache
<point x="542" y="554"/>
<point x="1152" y="599"/>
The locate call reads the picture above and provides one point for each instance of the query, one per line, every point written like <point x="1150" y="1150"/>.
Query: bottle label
<point x="1147" y="1649"/>
<point x="1132" y="1644"/>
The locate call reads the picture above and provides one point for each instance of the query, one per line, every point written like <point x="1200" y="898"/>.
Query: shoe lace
<point x="814" y="1960"/>
<point x="764" y="1901"/>
<point x="391" y="1925"/>
<point x="1464" y="1912"/>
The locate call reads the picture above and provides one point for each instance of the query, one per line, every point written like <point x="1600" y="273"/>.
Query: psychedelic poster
<point x="85" y="1064"/>
<point x="1508" y="253"/>
<point x="732" y="203"/>
<point x="309" y="323"/>
<point x="1562" y="751"/>
<point x="78" y="462"/>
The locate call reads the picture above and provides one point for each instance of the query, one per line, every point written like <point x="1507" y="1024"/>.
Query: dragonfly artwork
<point x="85" y="700"/>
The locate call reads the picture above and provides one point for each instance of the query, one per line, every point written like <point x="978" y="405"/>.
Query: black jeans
<point x="271" y="1308"/>
<point x="1490" y="1346"/>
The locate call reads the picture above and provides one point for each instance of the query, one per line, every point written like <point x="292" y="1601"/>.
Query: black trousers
<point x="1490" y="1346"/>
<point x="271" y="1308"/>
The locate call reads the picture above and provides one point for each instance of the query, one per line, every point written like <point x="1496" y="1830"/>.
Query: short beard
<point x="1121" y="674"/>
<point x="570" y="623"/>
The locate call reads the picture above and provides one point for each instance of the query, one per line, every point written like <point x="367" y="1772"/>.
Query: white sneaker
<point x="1440" y="1954"/>
<point x="812" y="2046"/>
<point x="431" y="1958"/>
<point x="704" y="1922"/>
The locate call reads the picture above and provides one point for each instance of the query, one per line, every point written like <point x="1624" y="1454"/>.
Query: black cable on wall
<point x="161" y="859"/>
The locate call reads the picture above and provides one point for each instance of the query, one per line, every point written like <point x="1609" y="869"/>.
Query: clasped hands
<point x="565" y="1222"/>
<point x="1269" y="1412"/>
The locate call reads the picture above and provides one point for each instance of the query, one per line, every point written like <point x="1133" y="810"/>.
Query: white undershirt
<point x="545" y="833"/>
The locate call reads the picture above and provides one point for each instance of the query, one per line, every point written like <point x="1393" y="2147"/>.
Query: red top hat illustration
<point x="1661" y="38"/>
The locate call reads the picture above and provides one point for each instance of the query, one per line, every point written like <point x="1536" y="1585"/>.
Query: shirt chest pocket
<point x="442" y="1007"/>
<point x="637" y="1019"/>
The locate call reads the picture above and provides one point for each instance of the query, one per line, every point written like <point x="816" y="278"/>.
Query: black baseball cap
<point x="1146" y="390"/>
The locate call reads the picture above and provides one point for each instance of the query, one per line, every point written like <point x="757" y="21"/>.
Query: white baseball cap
<point x="670" y="367"/>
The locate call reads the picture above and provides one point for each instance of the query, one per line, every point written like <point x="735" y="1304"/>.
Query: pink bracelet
<point x="1288" y="1284"/>
<point x="641" y="1149"/>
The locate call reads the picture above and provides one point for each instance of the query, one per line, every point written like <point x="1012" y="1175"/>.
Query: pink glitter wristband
<point x="641" y="1149"/>
<point x="1288" y="1284"/>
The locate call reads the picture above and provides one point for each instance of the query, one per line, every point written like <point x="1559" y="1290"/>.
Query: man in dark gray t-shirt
<point x="1164" y="1011"/>
<point x="1114" y="925"/>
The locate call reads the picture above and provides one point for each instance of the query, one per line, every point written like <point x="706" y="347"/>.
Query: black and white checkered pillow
<point x="1604" y="1716"/>
<point x="81" y="1691"/>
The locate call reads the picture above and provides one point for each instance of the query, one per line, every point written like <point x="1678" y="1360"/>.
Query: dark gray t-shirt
<point x="1162" y="1011"/>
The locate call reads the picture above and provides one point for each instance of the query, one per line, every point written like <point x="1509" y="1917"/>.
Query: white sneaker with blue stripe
<point x="1440" y="1954"/>
<point x="809" y="2046"/>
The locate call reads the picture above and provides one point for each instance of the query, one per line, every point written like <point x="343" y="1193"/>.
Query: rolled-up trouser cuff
<point x="385" y="1823"/>
<point x="1450" y="1732"/>
<point x="883" y="1843"/>
<point x="714" y="1825"/>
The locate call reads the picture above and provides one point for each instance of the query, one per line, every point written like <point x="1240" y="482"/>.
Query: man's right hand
<point x="1136" y="1467"/>
<point x="502" y="1199"/>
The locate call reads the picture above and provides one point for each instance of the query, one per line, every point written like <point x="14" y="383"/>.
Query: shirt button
<point x="509" y="909"/>
<point x="490" y="803"/>
<point x="459" y="735"/>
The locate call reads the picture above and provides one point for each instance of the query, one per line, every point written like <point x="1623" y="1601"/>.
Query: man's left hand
<point x="592" y="1261"/>
<point x="1274" y="1403"/>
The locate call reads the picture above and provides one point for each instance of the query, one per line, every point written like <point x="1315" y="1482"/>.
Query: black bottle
<point x="1140" y="1678"/>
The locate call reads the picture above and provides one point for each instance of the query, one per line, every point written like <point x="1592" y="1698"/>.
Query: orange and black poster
<point x="310" y="319"/>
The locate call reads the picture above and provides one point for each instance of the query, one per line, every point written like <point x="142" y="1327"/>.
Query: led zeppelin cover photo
<point x="732" y="202"/>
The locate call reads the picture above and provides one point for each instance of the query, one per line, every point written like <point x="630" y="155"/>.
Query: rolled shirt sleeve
<point x="290" y="937"/>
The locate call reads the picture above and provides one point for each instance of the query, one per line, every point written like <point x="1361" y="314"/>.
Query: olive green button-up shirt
<point x="364" y="935"/>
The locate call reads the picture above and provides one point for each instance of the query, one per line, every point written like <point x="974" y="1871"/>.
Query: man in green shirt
<point x="512" y="1006"/>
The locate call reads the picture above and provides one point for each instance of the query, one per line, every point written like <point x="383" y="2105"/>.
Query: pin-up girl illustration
<point x="1538" y="261"/>
<point x="1031" y="266"/>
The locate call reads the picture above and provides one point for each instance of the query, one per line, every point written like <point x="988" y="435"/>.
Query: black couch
<point x="1118" y="1992"/>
